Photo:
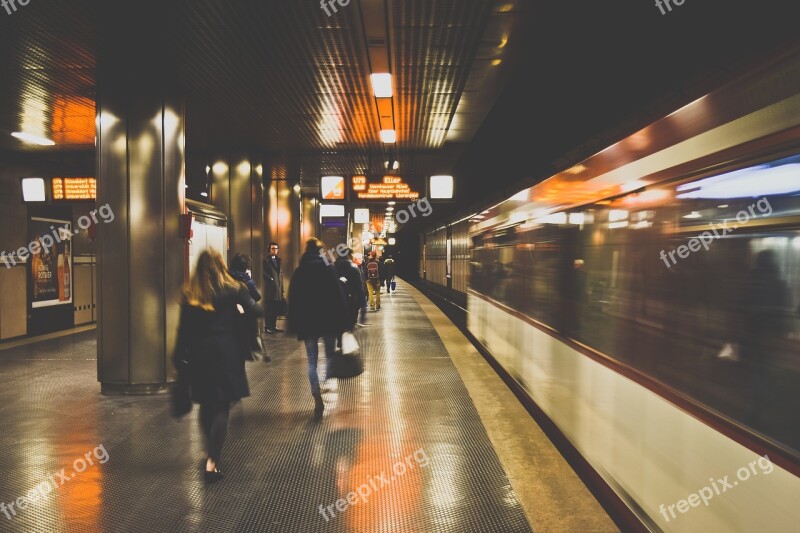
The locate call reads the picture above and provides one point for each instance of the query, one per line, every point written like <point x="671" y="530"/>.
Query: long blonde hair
<point x="210" y="275"/>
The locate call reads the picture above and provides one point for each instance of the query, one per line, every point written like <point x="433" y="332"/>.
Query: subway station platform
<point x="427" y="439"/>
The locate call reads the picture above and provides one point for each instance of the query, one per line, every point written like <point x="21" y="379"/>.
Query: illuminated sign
<point x="332" y="187"/>
<point x="74" y="189"/>
<point x="390" y="188"/>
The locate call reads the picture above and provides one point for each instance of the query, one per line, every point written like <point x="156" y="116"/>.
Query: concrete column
<point x="140" y="172"/>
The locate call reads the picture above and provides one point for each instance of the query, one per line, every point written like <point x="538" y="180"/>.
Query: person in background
<point x="240" y="268"/>
<point x="388" y="272"/>
<point x="317" y="308"/>
<point x="373" y="282"/>
<point x="273" y="288"/>
<point x="210" y="352"/>
<point x="353" y="285"/>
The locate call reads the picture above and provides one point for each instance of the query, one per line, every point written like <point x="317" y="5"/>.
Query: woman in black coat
<point x="210" y="353"/>
<point x="317" y="309"/>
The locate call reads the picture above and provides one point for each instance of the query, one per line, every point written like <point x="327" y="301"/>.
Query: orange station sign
<point x="84" y="189"/>
<point x="390" y="188"/>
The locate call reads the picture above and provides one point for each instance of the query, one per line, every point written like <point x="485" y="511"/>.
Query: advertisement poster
<point x="50" y="262"/>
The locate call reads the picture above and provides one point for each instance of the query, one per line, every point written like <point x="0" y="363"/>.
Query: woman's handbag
<point x="181" y="392"/>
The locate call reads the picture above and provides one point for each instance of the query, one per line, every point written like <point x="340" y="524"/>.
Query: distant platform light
<point x="441" y="187"/>
<point x="392" y="241"/>
<point x="204" y="193"/>
<point x="33" y="139"/>
<point x="382" y="85"/>
<point x="361" y="216"/>
<point x="388" y="136"/>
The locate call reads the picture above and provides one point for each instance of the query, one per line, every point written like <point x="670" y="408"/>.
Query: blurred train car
<point x="648" y="301"/>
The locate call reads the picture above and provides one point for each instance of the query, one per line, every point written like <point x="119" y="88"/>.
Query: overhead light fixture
<point x="33" y="139"/>
<point x="388" y="136"/>
<point x="33" y="190"/>
<point x="204" y="193"/>
<point x="693" y="214"/>
<point x="441" y="187"/>
<point x="391" y="203"/>
<point x="361" y="216"/>
<point x="382" y="85"/>
<point x="392" y="241"/>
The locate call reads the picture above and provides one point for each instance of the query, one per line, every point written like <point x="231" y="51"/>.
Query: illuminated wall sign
<point x="359" y="183"/>
<point x="332" y="187"/>
<point x="390" y="188"/>
<point x="74" y="189"/>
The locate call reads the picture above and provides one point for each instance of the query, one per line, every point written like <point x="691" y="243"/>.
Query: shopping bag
<point x="349" y="344"/>
<point x="347" y="361"/>
<point x="394" y="285"/>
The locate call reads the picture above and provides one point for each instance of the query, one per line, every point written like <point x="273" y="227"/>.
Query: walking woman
<point x="210" y="352"/>
<point x="317" y="309"/>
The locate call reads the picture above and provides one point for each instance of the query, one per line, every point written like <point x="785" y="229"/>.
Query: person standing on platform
<point x="388" y="272"/>
<point x="373" y="282"/>
<point x="273" y="289"/>
<point x="317" y="308"/>
<point x="209" y="354"/>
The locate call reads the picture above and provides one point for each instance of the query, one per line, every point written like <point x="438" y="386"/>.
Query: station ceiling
<point x="491" y="91"/>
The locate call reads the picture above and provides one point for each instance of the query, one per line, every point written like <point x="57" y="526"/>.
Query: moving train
<point x="647" y="300"/>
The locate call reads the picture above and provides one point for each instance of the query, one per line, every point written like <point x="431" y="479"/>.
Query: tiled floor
<point x="405" y="434"/>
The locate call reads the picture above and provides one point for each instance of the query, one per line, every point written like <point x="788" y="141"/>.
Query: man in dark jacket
<point x="352" y="283"/>
<point x="273" y="288"/>
<point x="317" y="308"/>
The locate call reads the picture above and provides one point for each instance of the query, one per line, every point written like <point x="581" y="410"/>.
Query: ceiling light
<point x="496" y="62"/>
<point x="204" y="194"/>
<point x="391" y="203"/>
<point x="392" y="241"/>
<point x="361" y="216"/>
<point x="390" y="209"/>
<point x="382" y="85"/>
<point x="33" y="139"/>
<point x="441" y="187"/>
<point x="33" y="190"/>
<point x="693" y="214"/>
<point x="388" y="136"/>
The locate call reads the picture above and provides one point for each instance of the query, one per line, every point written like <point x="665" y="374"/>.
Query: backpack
<point x="372" y="270"/>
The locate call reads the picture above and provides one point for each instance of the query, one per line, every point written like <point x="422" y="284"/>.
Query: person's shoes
<point x="266" y="358"/>
<point x="319" y="405"/>
<point x="270" y="331"/>
<point x="211" y="477"/>
<point x="277" y="330"/>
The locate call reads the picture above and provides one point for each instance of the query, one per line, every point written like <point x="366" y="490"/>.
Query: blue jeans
<point x="312" y="353"/>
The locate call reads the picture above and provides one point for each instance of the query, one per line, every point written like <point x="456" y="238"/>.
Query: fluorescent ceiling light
<point x="382" y="85"/>
<point x="388" y="136"/>
<point x="392" y="241"/>
<point x="391" y="203"/>
<point x="441" y="187"/>
<point x="33" y="190"/>
<point x="33" y="139"/>
<point x="693" y="214"/>
<point x="203" y="193"/>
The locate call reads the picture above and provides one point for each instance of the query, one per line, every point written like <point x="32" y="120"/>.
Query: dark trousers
<point x="214" y="422"/>
<point x="389" y="284"/>
<point x="271" y="314"/>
